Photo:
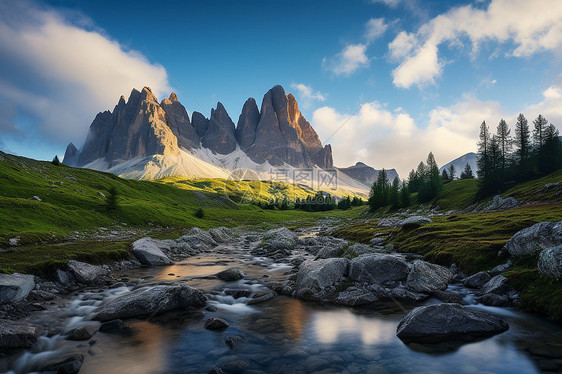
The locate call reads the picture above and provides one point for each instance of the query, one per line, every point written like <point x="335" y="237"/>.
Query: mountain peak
<point x="147" y="94"/>
<point x="173" y="97"/>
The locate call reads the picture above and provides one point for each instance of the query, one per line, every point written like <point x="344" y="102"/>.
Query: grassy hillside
<point x="73" y="200"/>
<point x="244" y="191"/>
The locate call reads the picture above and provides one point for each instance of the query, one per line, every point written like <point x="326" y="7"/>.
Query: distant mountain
<point x="460" y="163"/>
<point x="146" y="139"/>
<point x="366" y="174"/>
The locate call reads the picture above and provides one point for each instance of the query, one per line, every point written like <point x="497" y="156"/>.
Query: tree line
<point x="504" y="160"/>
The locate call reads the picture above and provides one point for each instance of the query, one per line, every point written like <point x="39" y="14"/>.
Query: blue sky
<point x="398" y="78"/>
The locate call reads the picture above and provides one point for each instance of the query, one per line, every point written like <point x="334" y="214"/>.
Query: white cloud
<point x="532" y="26"/>
<point x="62" y="74"/>
<point x="375" y="28"/>
<point x="349" y="60"/>
<point x="307" y="94"/>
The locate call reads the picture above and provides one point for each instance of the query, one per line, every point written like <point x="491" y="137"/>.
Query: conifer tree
<point x="452" y="172"/>
<point x="523" y="146"/>
<point x="505" y="143"/>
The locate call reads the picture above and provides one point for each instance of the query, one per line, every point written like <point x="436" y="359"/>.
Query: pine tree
<point x="394" y="194"/>
<point x="523" y="147"/>
<point x="539" y="131"/>
<point x="432" y="183"/>
<point x="483" y="144"/>
<point x="55" y="161"/>
<point x="467" y="173"/>
<point x="379" y="191"/>
<point x="404" y="196"/>
<point x="452" y="172"/>
<point x="505" y="143"/>
<point x="445" y="175"/>
<point x="550" y="155"/>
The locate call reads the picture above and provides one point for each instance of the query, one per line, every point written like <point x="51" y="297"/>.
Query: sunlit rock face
<point x="141" y="128"/>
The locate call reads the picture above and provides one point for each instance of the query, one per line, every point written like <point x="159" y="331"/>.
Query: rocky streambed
<point x="270" y="302"/>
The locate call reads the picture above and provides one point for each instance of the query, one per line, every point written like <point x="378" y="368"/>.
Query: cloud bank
<point x="57" y="72"/>
<point x="392" y="138"/>
<point x="529" y="26"/>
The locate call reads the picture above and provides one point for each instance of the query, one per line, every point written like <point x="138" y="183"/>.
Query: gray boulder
<point x="378" y="268"/>
<point x="231" y="274"/>
<point x="550" y="262"/>
<point x="84" y="332"/>
<point x="198" y="239"/>
<point x="499" y="203"/>
<point x="377" y="241"/>
<point x="281" y="238"/>
<point x="477" y="280"/>
<point x="221" y="234"/>
<point x="441" y="322"/>
<point x="500" y="268"/>
<point x="426" y="277"/>
<point x="326" y="252"/>
<point x="15" y="287"/>
<point x="147" y="251"/>
<point x="498" y="285"/>
<point x="361" y="249"/>
<point x="448" y="297"/>
<point x="536" y="238"/>
<point x="414" y="220"/>
<point x="149" y="301"/>
<point x="18" y="334"/>
<point x="86" y="273"/>
<point x="492" y="299"/>
<point x="322" y="273"/>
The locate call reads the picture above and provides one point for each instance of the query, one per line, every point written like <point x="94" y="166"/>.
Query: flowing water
<point x="283" y="335"/>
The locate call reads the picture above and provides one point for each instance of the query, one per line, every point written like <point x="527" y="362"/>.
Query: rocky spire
<point x="177" y="120"/>
<point x="247" y="124"/>
<point x="219" y="136"/>
<point x="71" y="155"/>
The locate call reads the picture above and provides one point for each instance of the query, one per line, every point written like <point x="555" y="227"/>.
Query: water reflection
<point x="331" y="326"/>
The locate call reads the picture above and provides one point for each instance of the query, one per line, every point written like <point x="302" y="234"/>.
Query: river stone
<point x="231" y="274"/>
<point x="426" y="277"/>
<point x="15" y="287"/>
<point x="492" y="299"/>
<point x="361" y="249"/>
<point x="477" y="280"/>
<point x="536" y="238"/>
<point x="500" y="268"/>
<point x="378" y="268"/>
<point x="415" y="221"/>
<point x="326" y="252"/>
<point x="498" y="285"/>
<point x="221" y="234"/>
<point x="69" y="363"/>
<point x="149" y="301"/>
<point x="214" y="323"/>
<point x="147" y="251"/>
<point x="262" y="296"/>
<point x="448" y="297"/>
<point x="86" y="273"/>
<point x="322" y="273"/>
<point x="355" y="297"/>
<point x="550" y="262"/>
<point x="377" y="241"/>
<point x="198" y="239"/>
<point x="280" y="239"/>
<point x="233" y="340"/>
<point x="18" y="334"/>
<point x="442" y="322"/>
<point x="83" y="332"/>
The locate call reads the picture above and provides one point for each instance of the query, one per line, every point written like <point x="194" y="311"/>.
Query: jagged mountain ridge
<point x="146" y="139"/>
<point x="141" y="127"/>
